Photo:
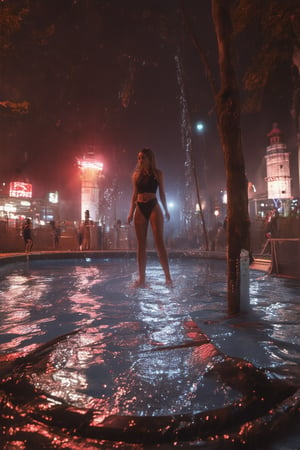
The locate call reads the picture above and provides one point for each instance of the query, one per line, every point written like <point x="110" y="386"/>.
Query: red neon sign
<point x="20" y="189"/>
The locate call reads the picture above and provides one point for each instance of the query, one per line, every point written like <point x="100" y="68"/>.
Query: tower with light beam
<point x="91" y="172"/>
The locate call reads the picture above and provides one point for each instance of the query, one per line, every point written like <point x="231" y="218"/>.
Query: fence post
<point x="244" y="281"/>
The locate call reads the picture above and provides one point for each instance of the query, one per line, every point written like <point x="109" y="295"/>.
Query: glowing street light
<point x="224" y="197"/>
<point x="200" y="127"/>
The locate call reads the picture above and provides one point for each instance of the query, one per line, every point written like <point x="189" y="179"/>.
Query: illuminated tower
<point x="278" y="167"/>
<point x="91" y="171"/>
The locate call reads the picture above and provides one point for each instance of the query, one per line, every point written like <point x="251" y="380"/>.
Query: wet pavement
<point x="87" y="361"/>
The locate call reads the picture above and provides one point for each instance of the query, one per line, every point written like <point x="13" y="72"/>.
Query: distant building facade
<point x="18" y="203"/>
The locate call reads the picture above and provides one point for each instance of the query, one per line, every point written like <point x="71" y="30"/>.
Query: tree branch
<point x="199" y="48"/>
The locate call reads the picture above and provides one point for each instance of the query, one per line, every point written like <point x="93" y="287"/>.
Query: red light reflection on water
<point x="134" y="353"/>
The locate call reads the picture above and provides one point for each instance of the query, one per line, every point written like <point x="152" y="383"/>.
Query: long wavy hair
<point x="152" y="163"/>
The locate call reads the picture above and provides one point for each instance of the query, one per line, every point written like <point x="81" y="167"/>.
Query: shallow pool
<point x="120" y="351"/>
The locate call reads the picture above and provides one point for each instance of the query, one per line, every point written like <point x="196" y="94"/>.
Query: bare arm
<point x="133" y="200"/>
<point x="162" y="194"/>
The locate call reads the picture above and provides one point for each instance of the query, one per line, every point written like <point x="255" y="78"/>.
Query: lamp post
<point x="200" y="128"/>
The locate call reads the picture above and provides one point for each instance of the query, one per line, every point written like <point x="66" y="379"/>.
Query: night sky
<point x="100" y="74"/>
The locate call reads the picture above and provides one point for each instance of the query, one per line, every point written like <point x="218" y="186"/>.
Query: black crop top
<point x="147" y="183"/>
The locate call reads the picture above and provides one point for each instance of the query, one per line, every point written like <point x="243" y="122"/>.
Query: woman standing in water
<point x="144" y="209"/>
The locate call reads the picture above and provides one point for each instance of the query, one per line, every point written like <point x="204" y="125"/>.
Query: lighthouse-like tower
<point x="91" y="171"/>
<point x="278" y="167"/>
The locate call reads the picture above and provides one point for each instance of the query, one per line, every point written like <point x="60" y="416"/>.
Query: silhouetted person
<point x="55" y="234"/>
<point x="27" y="236"/>
<point x="270" y="229"/>
<point x="86" y="232"/>
<point x="118" y="233"/>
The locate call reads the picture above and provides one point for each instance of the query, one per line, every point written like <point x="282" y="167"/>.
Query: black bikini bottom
<point x="147" y="207"/>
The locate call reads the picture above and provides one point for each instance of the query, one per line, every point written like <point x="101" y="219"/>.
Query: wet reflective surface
<point x="78" y="340"/>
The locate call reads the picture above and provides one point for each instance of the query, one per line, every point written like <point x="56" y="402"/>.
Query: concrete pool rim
<point x="261" y="264"/>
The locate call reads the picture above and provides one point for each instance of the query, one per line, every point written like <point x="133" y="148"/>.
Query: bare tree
<point x="228" y="117"/>
<point x="227" y="105"/>
<point x="11" y="19"/>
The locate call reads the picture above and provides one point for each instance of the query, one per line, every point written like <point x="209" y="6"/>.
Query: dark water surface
<point x="156" y="352"/>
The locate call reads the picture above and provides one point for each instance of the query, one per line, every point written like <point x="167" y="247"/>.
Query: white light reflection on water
<point x="20" y="308"/>
<point x="138" y="350"/>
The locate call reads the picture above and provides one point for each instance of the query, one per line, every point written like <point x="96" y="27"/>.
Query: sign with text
<point x="20" y="189"/>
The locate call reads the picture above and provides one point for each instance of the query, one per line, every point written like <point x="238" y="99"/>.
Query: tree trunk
<point x="228" y="116"/>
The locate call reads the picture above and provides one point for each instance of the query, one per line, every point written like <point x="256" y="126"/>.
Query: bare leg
<point x="157" y="224"/>
<point x="28" y="246"/>
<point x="141" y="226"/>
